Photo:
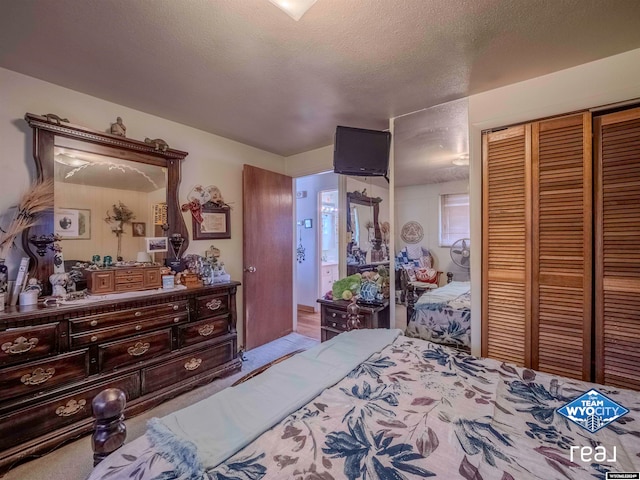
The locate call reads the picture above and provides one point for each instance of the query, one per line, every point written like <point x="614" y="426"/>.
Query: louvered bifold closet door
<point x="506" y="252"/>
<point x="562" y="239"/>
<point x="618" y="248"/>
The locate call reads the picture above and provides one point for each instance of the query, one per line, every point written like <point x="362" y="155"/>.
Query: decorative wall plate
<point x="412" y="232"/>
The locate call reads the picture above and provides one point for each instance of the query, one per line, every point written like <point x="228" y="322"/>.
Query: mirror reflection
<point x="105" y="205"/>
<point x="431" y="175"/>
<point x="368" y="231"/>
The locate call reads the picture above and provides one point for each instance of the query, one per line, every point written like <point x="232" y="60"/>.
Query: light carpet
<point x="74" y="461"/>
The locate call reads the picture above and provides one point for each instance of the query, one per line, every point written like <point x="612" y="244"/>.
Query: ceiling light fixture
<point x="462" y="160"/>
<point x="294" y="8"/>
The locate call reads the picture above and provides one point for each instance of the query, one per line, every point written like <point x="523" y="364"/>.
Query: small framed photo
<point x="157" y="244"/>
<point x="216" y="223"/>
<point x="73" y="223"/>
<point x="139" y="229"/>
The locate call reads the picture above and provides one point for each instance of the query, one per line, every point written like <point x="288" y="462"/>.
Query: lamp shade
<point x="143" y="257"/>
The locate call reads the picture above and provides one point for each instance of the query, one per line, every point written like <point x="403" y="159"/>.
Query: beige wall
<point x="311" y="162"/>
<point x="212" y="159"/>
<point x="610" y="80"/>
<point x="421" y="203"/>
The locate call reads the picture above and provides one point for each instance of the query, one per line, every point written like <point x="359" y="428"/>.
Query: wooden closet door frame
<point x="600" y="282"/>
<point x="587" y="238"/>
<point x="525" y="130"/>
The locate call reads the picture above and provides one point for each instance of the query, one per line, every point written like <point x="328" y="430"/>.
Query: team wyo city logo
<point x="592" y="411"/>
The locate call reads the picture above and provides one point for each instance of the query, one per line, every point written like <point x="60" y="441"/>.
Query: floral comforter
<point x="418" y="410"/>
<point x="443" y="316"/>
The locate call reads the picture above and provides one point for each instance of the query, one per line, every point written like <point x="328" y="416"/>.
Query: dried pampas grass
<point x="38" y="199"/>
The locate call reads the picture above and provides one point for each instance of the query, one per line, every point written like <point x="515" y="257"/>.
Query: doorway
<point x="312" y="227"/>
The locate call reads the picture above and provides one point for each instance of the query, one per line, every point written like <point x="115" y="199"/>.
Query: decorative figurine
<point x="59" y="282"/>
<point x="53" y="118"/>
<point x="158" y="143"/>
<point x="119" y="128"/>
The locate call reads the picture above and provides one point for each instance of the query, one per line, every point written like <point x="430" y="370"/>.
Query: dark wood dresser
<point x="54" y="360"/>
<point x="333" y="317"/>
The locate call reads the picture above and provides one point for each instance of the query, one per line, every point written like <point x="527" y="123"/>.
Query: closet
<point x="539" y="283"/>
<point x="617" y="235"/>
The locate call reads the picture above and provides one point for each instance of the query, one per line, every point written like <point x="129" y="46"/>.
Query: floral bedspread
<point x="417" y="410"/>
<point x="447" y="323"/>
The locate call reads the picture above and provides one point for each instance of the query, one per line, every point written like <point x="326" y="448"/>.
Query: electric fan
<point x="461" y="252"/>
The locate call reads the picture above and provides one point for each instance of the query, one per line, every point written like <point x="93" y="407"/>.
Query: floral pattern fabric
<point x="447" y="323"/>
<point x="421" y="410"/>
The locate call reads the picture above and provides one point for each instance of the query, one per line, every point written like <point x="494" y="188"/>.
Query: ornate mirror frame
<point x="360" y="199"/>
<point x="47" y="128"/>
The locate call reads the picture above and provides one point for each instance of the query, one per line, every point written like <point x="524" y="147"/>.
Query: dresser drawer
<point x="127" y="279"/>
<point x="28" y="423"/>
<point x="212" y="305"/>
<point x="23" y="344"/>
<point x="100" y="281"/>
<point x="35" y="377"/>
<point x="172" y="372"/>
<point x="136" y="349"/>
<point x="152" y="278"/>
<point x="203" y="330"/>
<point x="88" y="324"/>
<point x="128" y="329"/>
<point x="334" y="318"/>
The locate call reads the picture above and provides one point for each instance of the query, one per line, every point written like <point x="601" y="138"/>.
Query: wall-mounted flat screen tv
<point x="361" y="152"/>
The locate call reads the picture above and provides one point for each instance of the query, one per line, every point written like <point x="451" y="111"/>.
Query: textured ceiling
<point x="244" y="70"/>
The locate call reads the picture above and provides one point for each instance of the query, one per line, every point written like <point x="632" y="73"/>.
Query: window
<point x="454" y="218"/>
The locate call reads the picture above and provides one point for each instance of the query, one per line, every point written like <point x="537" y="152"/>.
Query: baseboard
<point x="306" y="308"/>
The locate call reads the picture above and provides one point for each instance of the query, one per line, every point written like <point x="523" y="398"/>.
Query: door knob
<point x="250" y="269"/>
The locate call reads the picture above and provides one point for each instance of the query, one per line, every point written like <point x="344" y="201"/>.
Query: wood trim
<point x="306" y="308"/>
<point x="534" y="328"/>
<point x="528" y="220"/>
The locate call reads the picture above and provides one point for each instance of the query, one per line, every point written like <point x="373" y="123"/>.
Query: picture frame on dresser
<point x="216" y="223"/>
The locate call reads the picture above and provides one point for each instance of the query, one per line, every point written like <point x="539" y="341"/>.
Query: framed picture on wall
<point x="216" y="223"/>
<point x="157" y="244"/>
<point x="73" y="223"/>
<point x="139" y="229"/>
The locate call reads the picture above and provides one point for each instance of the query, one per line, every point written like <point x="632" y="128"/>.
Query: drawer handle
<point x="138" y="349"/>
<point x="19" y="345"/>
<point x="38" y="376"/>
<point x="137" y="314"/>
<point x="333" y="324"/>
<point x="94" y="323"/>
<point x="206" y="330"/>
<point x="138" y="327"/>
<point x="71" y="408"/>
<point x="94" y="338"/>
<point x="193" y="364"/>
<point x="333" y="315"/>
<point x="175" y="307"/>
<point x="176" y="320"/>
<point x="214" y="304"/>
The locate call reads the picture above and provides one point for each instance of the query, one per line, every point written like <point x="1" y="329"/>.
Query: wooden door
<point x="562" y="240"/>
<point x="268" y="256"/>
<point x="506" y="249"/>
<point x="617" y="222"/>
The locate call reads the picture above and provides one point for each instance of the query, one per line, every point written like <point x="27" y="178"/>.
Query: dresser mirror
<point x="95" y="175"/>
<point x="363" y="223"/>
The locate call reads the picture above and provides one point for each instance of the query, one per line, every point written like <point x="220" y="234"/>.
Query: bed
<point x="411" y="409"/>
<point x="442" y="315"/>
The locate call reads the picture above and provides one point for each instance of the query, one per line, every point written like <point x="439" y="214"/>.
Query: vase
<point x="4" y="276"/>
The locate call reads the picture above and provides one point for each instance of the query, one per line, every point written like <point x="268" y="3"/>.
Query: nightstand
<point x="333" y="317"/>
